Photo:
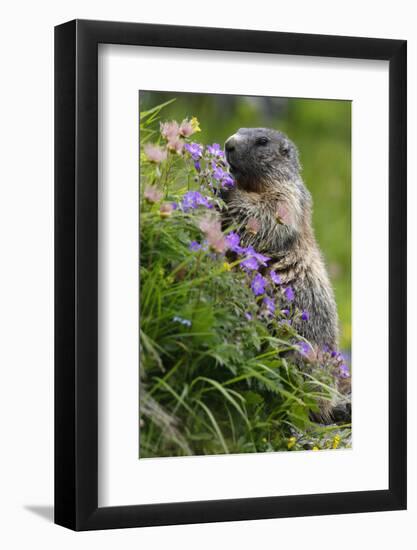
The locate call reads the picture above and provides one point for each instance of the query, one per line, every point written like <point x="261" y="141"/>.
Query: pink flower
<point x="209" y="224"/>
<point x="166" y="210"/>
<point x="217" y="242"/>
<point x="154" y="153"/>
<point x="253" y="226"/>
<point x="169" y="130"/>
<point x="283" y="215"/>
<point x="186" y="129"/>
<point x="176" y="145"/>
<point x="152" y="194"/>
<point x="213" y="232"/>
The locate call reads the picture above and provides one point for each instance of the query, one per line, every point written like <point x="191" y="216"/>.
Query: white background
<point x="26" y="300"/>
<point x="123" y="479"/>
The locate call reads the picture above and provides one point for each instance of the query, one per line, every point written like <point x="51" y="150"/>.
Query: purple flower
<point x="194" y="246"/>
<point x="275" y="278"/>
<point x="195" y="150"/>
<point x="260" y="258"/>
<point x="258" y="284"/>
<point x="215" y="150"/>
<point x="221" y="176"/>
<point x="305" y="316"/>
<point x="197" y="166"/>
<point x="248" y="315"/>
<point x="344" y="371"/>
<point x="193" y="199"/>
<point x="233" y="241"/>
<point x="270" y="304"/>
<point x="337" y="356"/>
<point x="304" y="348"/>
<point x="250" y="263"/>
<point x="254" y="259"/>
<point x="289" y="293"/>
<point x="218" y="172"/>
<point x="263" y="260"/>
<point x="285" y="312"/>
<point x="228" y="181"/>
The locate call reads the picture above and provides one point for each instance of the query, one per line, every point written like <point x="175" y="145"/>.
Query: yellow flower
<point x="336" y="441"/>
<point x="227" y="266"/>
<point x="195" y="124"/>
<point x="315" y="448"/>
<point x="291" y="442"/>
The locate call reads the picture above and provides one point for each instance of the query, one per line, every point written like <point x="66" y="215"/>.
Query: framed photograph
<point x="230" y="252"/>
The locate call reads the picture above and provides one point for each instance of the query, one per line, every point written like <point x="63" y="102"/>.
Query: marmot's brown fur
<point x="270" y="195"/>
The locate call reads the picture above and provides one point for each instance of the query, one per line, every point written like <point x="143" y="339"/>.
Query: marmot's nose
<point x="230" y="144"/>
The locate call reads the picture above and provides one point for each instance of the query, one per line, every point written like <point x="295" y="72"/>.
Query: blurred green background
<point x="321" y="129"/>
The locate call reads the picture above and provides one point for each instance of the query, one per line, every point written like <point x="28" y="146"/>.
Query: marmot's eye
<point x="261" y="141"/>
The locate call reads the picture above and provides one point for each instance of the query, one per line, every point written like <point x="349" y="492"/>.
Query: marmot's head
<point x="265" y="163"/>
<point x="259" y="157"/>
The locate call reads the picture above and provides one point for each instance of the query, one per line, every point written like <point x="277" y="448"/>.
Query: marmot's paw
<point x="342" y="413"/>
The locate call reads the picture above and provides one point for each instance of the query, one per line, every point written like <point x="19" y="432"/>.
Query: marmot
<point x="270" y="193"/>
<point x="269" y="190"/>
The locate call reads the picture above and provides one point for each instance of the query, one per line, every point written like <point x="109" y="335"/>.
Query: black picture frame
<point x="76" y="272"/>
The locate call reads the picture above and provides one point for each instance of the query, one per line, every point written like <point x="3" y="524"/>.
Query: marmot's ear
<point x="285" y="150"/>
